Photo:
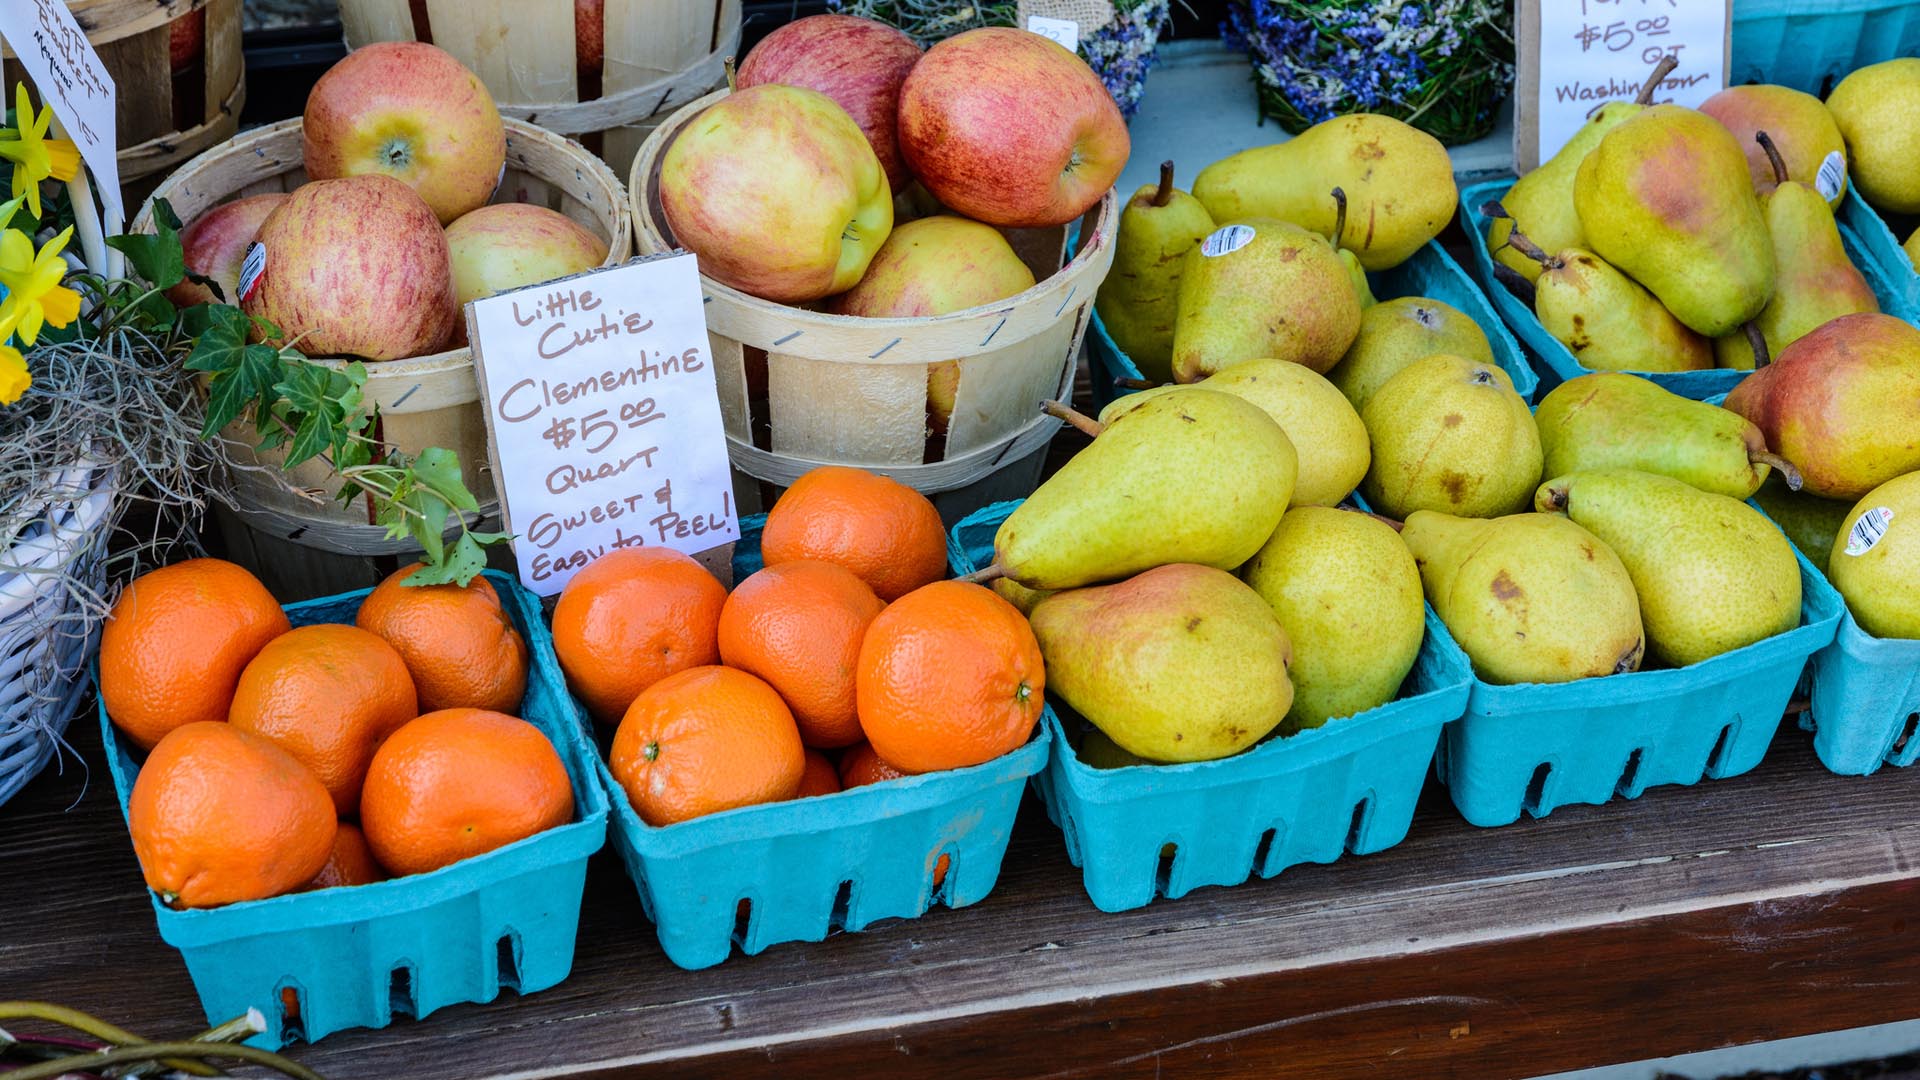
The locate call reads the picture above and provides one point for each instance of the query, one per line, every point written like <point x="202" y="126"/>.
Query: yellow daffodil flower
<point x="34" y="293"/>
<point x="35" y="157"/>
<point x="14" y="378"/>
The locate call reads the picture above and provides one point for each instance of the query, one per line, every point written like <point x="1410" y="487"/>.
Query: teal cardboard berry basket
<point x="318" y="962"/>
<point x="1811" y="44"/>
<point x="1147" y="831"/>
<point x="1431" y="273"/>
<point x="800" y="870"/>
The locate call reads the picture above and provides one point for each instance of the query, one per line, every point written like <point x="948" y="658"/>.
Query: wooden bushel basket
<point x="800" y="388"/>
<point x="659" y="55"/>
<point x="162" y="118"/>
<point x="315" y="545"/>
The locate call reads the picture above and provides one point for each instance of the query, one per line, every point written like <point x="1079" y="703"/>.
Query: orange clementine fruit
<point x="175" y="643"/>
<point x="458" y="641"/>
<point x="219" y="815"/>
<point x="818" y="777"/>
<point x="798" y="625"/>
<point x="329" y="695"/>
<point x="350" y="862"/>
<point x="881" y="529"/>
<point x="862" y="765"/>
<point x="705" y="740"/>
<point x="631" y="618"/>
<point x="950" y="675"/>
<point x="458" y="783"/>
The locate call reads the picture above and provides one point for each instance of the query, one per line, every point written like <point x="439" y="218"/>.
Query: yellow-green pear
<point x="1190" y="475"/>
<point x="1449" y="434"/>
<point x="1808" y="520"/>
<point x="1530" y="598"/>
<point x="1348" y="594"/>
<point x="1180" y="663"/>
<point x="1136" y="302"/>
<point x="1019" y="595"/>
<point x="1878" y="111"/>
<point x="1607" y="320"/>
<point x="1258" y="288"/>
<point x="1398" y="182"/>
<point x="1876" y="559"/>
<point x="1802" y="130"/>
<point x="1395" y="333"/>
<point x="1325" y="431"/>
<point x="1912" y="247"/>
<point x="1612" y="421"/>
<point x="1712" y="573"/>
<point x="1097" y="751"/>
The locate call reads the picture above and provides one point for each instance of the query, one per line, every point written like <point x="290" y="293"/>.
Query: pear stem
<point x="1339" y="215"/>
<point x="1557" y="499"/>
<point x="1780" y="465"/>
<point x="1660" y="71"/>
<point x="1516" y="239"/>
<point x="1135" y="384"/>
<point x="1758" y="342"/>
<point x="728" y="65"/>
<point x="1165" y="195"/>
<point x="982" y="576"/>
<point x="1773" y="155"/>
<point x="1080" y="421"/>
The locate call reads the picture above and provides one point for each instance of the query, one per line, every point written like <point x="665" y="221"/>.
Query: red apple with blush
<point x="589" y="35"/>
<point x="185" y="37"/>
<point x="215" y="244"/>
<point x="859" y="63"/>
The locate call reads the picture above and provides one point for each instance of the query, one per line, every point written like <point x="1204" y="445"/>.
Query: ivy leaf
<point x="156" y="256"/>
<point x="430" y="528"/>
<point x="251" y="379"/>
<point x="439" y="471"/>
<point x="462" y="564"/>
<point x="198" y="319"/>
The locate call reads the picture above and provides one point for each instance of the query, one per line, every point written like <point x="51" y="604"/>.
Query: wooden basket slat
<point x="222" y="59"/>
<point x="362" y="21"/>
<point x="730" y="381"/>
<point x="109" y="20"/>
<point x="143" y="109"/>
<point x="1003" y="384"/>
<point x="862" y="414"/>
<point x="522" y="49"/>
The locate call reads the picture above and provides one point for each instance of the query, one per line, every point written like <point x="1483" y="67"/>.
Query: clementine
<point x="329" y="695"/>
<point x="818" y="778"/>
<point x="458" y="783"/>
<point x="175" y="643"/>
<point x="631" y="618"/>
<point x="798" y="625"/>
<point x="219" y="815"/>
<point x="458" y="642"/>
<point x="705" y="740"/>
<point x="949" y="675"/>
<point x="881" y="529"/>
<point x="350" y="863"/>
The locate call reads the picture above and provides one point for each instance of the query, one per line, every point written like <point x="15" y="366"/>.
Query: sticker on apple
<point x="1064" y="32"/>
<point x="252" y="268"/>
<point x="1868" y="530"/>
<point x="1832" y="177"/>
<point x="1226" y="240"/>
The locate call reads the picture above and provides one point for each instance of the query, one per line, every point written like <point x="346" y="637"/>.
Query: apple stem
<point x="729" y="66"/>
<point x="1081" y="422"/>
<point x="1780" y="465"/>
<point x="1660" y="71"/>
<point x="1135" y="384"/>
<point x="1773" y="155"/>
<point x="984" y="575"/>
<point x="1339" y="215"/>
<point x="1758" y="341"/>
<point x="1165" y="195"/>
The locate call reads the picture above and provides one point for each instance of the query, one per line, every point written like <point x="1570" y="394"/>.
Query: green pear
<point x="1912" y="247"/>
<point x="1607" y="320"/>
<point x="1189" y="476"/>
<point x="1259" y="288"/>
<point x="1395" y="333"/>
<point x="1530" y="598"/>
<point x="1840" y="404"/>
<point x="1876" y="559"/>
<point x="1800" y="126"/>
<point x="1325" y="431"/>
<point x="1450" y="434"/>
<point x="1877" y="109"/>
<point x="1398" y="182"/>
<point x="1712" y="573"/>
<point x="1666" y="199"/>
<point x="1159" y="226"/>
<point x="1180" y="663"/>
<point x="1348" y="594"/>
<point x="1808" y="520"/>
<point x="1097" y="751"/>
<point x="1613" y="421"/>
<point x="1816" y="281"/>
<point x="1019" y="595"/>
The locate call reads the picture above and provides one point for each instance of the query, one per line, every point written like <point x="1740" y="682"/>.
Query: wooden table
<point x="1781" y="903"/>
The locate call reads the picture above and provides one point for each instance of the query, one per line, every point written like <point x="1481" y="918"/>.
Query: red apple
<point x="185" y="36"/>
<point x="589" y="35"/>
<point x="413" y="112"/>
<point x="859" y="63"/>
<point x="214" y="245"/>
<point x="777" y="191"/>
<point x="355" y="267"/>
<point x="1006" y="126"/>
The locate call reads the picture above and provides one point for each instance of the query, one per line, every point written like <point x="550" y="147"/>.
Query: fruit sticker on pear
<point x="605" y="417"/>
<point x="1226" y="240"/>
<point x="1868" y="530"/>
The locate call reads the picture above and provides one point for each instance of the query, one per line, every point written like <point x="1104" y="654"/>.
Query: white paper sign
<point x="1064" y="31"/>
<point x="1595" y="51"/>
<point x="605" y="420"/>
<point x="62" y="65"/>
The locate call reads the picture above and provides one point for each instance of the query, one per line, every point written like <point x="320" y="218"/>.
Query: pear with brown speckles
<point x="1607" y="320"/>
<point x="1531" y="598"/>
<point x="1450" y="434"/>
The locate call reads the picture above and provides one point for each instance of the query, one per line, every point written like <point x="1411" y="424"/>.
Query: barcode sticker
<point x="1064" y="31"/>
<point x="1832" y="178"/>
<point x="1867" y="531"/>
<point x="1226" y="240"/>
<point x="252" y="268"/>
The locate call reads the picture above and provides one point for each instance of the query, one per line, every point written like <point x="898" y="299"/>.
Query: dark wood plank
<point x="1771" y="905"/>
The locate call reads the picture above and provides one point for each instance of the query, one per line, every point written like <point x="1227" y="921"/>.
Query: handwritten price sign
<point x="606" y="424"/>
<point x="63" y="67"/>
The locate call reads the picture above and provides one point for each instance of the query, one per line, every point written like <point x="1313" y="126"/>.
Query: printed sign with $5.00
<point x="606" y="423"/>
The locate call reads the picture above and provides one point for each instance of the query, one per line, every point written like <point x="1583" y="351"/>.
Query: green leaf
<point x="198" y="319"/>
<point x="156" y="256"/>
<point x="250" y="379"/>
<point x="439" y="471"/>
<point x="462" y="564"/>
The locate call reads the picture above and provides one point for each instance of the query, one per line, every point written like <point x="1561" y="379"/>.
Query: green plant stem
<point x="139" y="1052"/>
<point x="87" y="1024"/>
